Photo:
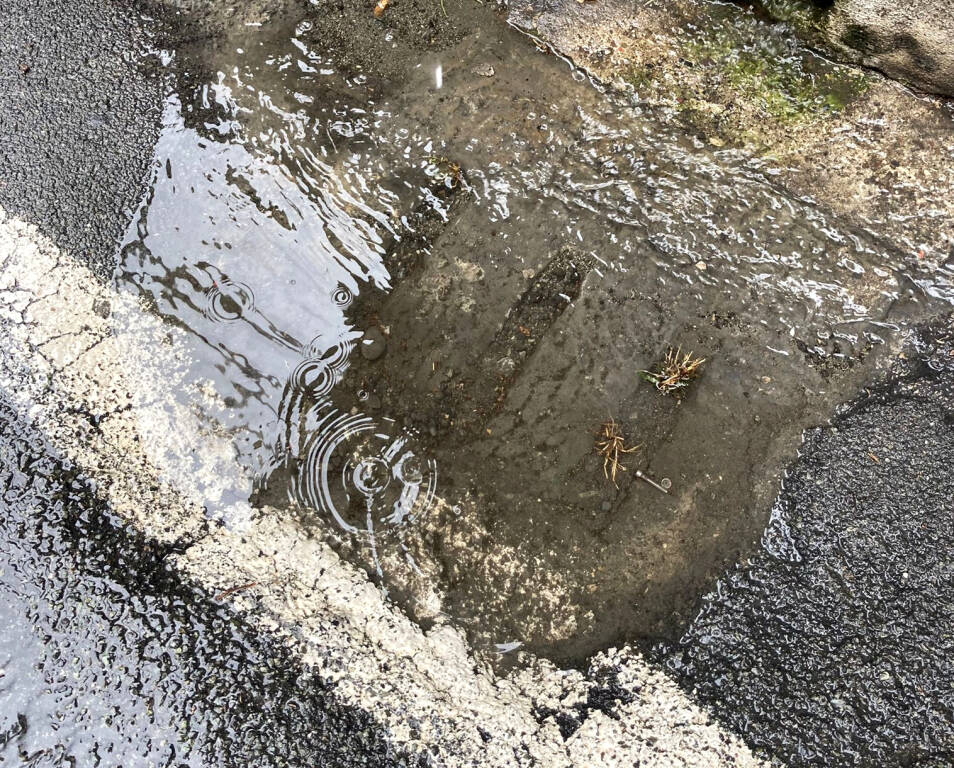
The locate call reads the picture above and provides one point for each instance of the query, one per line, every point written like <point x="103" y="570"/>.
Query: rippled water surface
<point x="414" y="299"/>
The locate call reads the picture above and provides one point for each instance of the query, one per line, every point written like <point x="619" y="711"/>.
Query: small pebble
<point x="101" y="308"/>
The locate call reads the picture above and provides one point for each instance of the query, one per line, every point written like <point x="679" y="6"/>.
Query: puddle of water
<point x="412" y="305"/>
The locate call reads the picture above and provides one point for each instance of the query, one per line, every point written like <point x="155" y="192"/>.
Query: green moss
<point x="770" y="71"/>
<point x="806" y="18"/>
<point x="733" y="77"/>
<point x="785" y="90"/>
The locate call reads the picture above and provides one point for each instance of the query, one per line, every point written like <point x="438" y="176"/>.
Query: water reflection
<point x="260" y="229"/>
<point x="259" y="265"/>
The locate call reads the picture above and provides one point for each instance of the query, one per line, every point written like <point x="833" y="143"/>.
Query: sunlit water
<point x="281" y="185"/>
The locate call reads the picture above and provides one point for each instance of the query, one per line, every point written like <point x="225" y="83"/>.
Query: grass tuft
<point x="675" y="372"/>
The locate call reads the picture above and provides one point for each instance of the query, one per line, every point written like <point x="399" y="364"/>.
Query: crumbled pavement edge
<point x="881" y="157"/>
<point x="104" y="380"/>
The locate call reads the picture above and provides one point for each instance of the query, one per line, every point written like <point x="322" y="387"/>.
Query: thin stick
<point x="232" y="590"/>
<point x="653" y="483"/>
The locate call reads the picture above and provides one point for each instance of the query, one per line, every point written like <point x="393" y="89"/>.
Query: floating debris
<point x="610" y="443"/>
<point x="675" y="372"/>
<point x="380" y="8"/>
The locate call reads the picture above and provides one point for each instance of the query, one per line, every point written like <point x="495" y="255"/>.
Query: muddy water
<point x="420" y="280"/>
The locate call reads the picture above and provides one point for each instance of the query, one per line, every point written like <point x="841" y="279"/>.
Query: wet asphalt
<point x="835" y="645"/>
<point x="107" y="659"/>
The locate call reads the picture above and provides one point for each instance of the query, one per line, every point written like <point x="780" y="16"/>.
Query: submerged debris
<point x="610" y="443"/>
<point x="232" y="590"/>
<point x="675" y="372"/>
<point x="445" y="171"/>
<point x="663" y="486"/>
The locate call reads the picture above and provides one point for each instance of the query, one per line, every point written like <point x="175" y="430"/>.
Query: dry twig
<point x="610" y="443"/>
<point x="446" y="171"/>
